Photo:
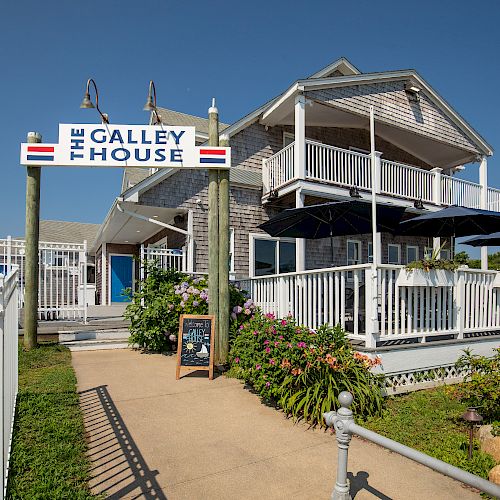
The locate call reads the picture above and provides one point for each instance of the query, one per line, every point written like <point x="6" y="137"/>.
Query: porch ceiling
<point x="430" y="151"/>
<point x="120" y="227"/>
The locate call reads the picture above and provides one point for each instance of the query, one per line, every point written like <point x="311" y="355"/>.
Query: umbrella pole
<point x="331" y="247"/>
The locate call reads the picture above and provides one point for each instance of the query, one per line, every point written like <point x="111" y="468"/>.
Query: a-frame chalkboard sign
<point x="195" y="344"/>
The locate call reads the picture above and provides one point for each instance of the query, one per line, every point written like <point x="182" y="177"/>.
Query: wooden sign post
<point x="195" y="344"/>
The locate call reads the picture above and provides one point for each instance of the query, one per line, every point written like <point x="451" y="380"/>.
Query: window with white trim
<point x="445" y="254"/>
<point x="273" y="256"/>
<point x="411" y="253"/>
<point x="353" y="252"/>
<point x="428" y="251"/>
<point x="393" y="254"/>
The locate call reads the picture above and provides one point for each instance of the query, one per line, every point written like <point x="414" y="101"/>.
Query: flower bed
<point x="166" y="294"/>
<point x="301" y="370"/>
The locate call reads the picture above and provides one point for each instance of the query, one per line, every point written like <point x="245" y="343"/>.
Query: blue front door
<point x="121" y="277"/>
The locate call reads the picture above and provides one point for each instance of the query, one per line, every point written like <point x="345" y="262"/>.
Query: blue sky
<point x="243" y="53"/>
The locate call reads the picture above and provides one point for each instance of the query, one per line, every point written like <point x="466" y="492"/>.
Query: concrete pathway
<point x="151" y="436"/>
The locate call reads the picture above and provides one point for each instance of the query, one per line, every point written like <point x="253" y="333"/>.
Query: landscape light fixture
<point x="88" y="104"/>
<point x="471" y="416"/>
<point x="354" y="192"/>
<point x="151" y="102"/>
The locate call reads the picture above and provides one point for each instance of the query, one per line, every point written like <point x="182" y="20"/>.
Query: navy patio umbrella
<point x="484" y="240"/>
<point x="452" y="221"/>
<point x="332" y="219"/>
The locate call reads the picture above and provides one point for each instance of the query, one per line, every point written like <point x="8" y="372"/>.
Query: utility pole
<point x="223" y="338"/>
<point x="31" y="248"/>
<point x="213" y="227"/>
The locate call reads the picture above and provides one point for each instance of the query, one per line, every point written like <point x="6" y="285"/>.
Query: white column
<point x="372" y="324"/>
<point x="104" y="275"/>
<point x="483" y="180"/>
<point x="437" y="185"/>
<point x="300" y="243"/>
<point x="190" y="243"/>
<point x="300" y="137"/>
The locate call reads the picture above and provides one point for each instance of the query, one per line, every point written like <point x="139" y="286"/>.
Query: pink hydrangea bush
<point x="302" y="370"/>
<point x="163" y="296"/>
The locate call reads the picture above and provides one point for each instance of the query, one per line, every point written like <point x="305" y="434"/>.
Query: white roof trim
<point x="338" y="64"/>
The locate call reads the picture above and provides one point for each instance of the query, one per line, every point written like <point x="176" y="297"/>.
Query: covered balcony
<point x="338" y="170"/>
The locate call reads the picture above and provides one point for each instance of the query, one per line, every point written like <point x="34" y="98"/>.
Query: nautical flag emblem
<point x="40" y="153"/>
<point x="213" y="155"/>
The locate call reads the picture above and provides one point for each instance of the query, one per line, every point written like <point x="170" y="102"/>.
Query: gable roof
<point x="340" y="67"/>
<point x="134" y="175"/>
<point x="60" y="231"/>
<point x="369" y="78"/>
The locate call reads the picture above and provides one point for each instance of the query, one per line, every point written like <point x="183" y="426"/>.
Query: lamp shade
<point x="86" y="102"/>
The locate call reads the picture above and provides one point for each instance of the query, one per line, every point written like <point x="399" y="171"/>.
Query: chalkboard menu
<point x="195" y="344"/>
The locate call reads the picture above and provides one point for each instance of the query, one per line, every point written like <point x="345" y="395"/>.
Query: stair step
<point x="70" y="336"/>
<point x="94" y="345"/>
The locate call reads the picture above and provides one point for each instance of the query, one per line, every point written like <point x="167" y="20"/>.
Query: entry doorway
<point x="122" y="277"/>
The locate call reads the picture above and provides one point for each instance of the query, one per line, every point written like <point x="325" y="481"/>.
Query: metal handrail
<point x="343" y="422"/>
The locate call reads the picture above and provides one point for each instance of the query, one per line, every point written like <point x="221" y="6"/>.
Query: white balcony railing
<point x="345" y="168"/>
<point x="398" y="179"/>
<point x="494" y="199"/>
<point x="456" y="191"/>
<point x="467" y="304"/>
<point x="340" y="166"/>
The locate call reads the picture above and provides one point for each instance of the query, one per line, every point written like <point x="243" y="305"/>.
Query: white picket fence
<point x="9" y="321"/>
<point x="62" y="271"/>
<point x="470" y="303"/>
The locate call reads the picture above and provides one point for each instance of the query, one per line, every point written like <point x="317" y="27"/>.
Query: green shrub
<point x="163" y="296"/>
<point x="303" y="371"/>
<point x="481" y="386"/>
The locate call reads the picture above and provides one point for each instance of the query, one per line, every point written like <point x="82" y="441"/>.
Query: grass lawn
<point x="430" y="422"/>
<point x="48" y="451"/>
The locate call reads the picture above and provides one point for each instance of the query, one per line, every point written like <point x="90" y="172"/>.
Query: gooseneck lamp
<point x="151" y="102"/>
<point x="87" y="103"/>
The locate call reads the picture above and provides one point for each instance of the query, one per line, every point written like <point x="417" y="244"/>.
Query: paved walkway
<point x="151" y="436"/>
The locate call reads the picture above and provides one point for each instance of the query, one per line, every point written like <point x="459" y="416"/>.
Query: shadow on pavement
<point x="117" y="466"/>
<point x="360" y="482"/>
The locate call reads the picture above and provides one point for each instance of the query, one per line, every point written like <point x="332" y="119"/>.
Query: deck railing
<point x="345" y="168"/>
<point x="9" y="321"/>
<point x="467" y="303"/>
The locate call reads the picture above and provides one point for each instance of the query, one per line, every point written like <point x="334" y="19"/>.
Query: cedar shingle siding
<point x="393" y="107"/>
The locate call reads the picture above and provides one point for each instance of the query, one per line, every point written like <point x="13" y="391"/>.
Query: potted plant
<point x="429" y="271"/>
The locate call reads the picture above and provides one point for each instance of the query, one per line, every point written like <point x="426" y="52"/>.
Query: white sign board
<point x="106" y="145"/>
